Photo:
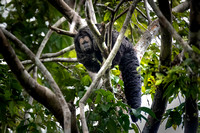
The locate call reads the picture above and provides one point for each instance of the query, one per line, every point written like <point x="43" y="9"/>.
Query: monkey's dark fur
<point x="126" y="59"/>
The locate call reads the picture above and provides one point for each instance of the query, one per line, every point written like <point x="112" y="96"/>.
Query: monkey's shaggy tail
<point x="132" y="80"/>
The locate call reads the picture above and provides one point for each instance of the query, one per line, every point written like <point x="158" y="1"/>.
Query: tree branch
<point x="91" y="11"/>
<point x="147" y="12"/>
<point x="97" y="35"/>
<point x="60" y="21"/>
<point x="146" y="38"/>
<point x="182" y="7"/>
<point x="102" y="5"/>
<point x="63" y="32"/>
<point x="71" y="60"/>
<point x="42" y="94"/>
<point x="68" y="12"/>
<point x="61" y="52"/>
<point x="49" y="78"/>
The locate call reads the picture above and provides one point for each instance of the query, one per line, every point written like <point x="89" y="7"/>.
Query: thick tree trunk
<point x="191" y="108"/>
<point x="160" y="103"/>
<point x="191" y="115"/>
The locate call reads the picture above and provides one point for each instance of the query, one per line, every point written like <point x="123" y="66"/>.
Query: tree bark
<point x="191" y="108"/>
<point x="67" y="11"/>
<point x="40" y="93"/>
<point x="159" y="102"/>
<point x="191" y="115"/>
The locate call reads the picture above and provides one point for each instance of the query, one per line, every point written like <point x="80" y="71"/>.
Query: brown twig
<point x="63" y="32"/>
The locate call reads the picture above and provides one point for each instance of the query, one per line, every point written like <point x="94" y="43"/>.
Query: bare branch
<point x="110" y="28"/>
<point x="63" y="32"/>
<point x="146" y="38"/>
<point x="147" y="12"/>
<point x="42" y="94"/>
<point x="105" y="66"/>
<point x="97" y="35"/>
<point x="91" y="11"/>
<point x="72" y="60"/>
<point x="68" y="12"/>
<point x="125" y="11"/>
<point x="182" y="7"/>
<point x="61" y="52"/>
<point x="60" y="21"/>
<point x="49" y="78"/>
<point x="102" y="5"/>
<point x="141" y="13"/>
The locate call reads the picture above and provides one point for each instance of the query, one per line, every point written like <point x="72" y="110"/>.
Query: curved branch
<point x="49" y="78"/>
<point x="60" y="21"/>
<point x="61" y="52"/>
<point x="42" y="94"/>
<point x="146" y="38"/>
<point x="63" y="32"/>
<point x="68" y="12"/>
<point x="182" y="7"/>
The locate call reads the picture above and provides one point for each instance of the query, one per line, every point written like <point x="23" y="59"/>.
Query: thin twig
<point x="63" y="32"/>
<point x="147" y="12"/>
<point x="141" y="13"/>
<point x="107" y="7"/>
<point x="118" y="16"/>
<point x="60" y="21"/>
<point x="61" y="52"/>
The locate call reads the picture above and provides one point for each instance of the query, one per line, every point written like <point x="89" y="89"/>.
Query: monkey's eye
<point x="86" y="38"/>
<point x="81" y="41"/>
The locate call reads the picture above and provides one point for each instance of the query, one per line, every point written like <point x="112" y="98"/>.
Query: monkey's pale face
<point x="85" y="44"/>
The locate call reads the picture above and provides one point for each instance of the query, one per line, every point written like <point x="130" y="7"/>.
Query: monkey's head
<point x="85" y="44"/>
<point x="83" y="41"/>
<point x="86" y="50"/>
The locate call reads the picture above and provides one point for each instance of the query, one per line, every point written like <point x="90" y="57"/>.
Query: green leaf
<point x="98" y="99"/>
<point x="159" y="75"/>
<point x="135" y="128"/>
<point x="11" y="108"/>
<point x="176" y="117"/>
<point x="196" y="49"/>
<point x="107" y="16"/>
<point x="147" y="110"/>
<point x="158" y="82"/>
<point x="112" y="127"/>
<point x="170" y="89"/>
<point x="86" y="80"/>
<point x="169" y="123"/>
<point x="106" y="107"/>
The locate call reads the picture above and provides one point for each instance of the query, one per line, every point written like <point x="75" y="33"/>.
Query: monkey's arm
<point x="89" y="61"/>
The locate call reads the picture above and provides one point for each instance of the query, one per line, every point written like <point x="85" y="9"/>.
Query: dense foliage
<point x="29" y="21"/>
